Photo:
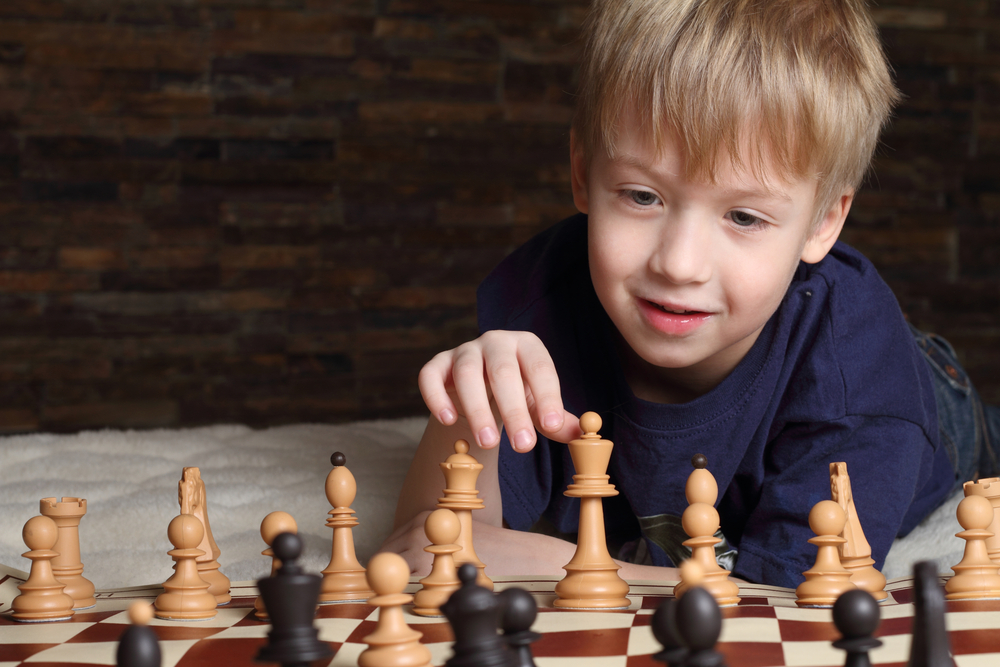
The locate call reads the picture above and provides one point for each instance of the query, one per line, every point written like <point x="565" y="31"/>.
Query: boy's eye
<point x="744" y="219"/>
<point x="642" y="197"/>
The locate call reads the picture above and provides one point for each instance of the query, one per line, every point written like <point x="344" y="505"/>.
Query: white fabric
<point x="129" y="479"/>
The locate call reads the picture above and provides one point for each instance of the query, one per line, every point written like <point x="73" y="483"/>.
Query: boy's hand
<point x="514" y="369"/>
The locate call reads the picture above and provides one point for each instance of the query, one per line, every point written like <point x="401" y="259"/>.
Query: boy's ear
<point x="825" y="235"/>
<point x="578" y="175"/>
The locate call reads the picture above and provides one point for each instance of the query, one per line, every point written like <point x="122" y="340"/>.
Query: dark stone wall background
<point x="271" y="211"/>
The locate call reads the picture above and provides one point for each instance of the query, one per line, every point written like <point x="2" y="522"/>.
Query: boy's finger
<point x="431" y="381"/>
<point x="469" y="378"/>
<point x="543" y="387"/>
<point x="508" y="391"/>
<point x="570" y="429"/>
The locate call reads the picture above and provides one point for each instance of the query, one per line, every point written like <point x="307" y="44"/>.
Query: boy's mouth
<point x="673" y="310"/>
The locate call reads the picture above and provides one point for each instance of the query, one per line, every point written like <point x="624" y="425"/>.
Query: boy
<point x="701" y="303"/>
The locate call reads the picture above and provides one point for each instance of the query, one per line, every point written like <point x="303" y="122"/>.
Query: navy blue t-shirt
<point x="834" y="376"/>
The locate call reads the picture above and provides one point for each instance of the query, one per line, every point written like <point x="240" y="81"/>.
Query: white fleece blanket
<point x="129" y="479"/>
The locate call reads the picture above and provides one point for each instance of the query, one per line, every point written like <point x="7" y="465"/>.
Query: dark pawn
<point x="138" y="646"/>
<point x="473" y="613"/>
<point x="856" y="615"/>
<point x="930" y="646"/>
<point x="290" y="597"/>
<point x="665" y="630"/>
<point x="518" y="611"/>
<point x="699" y="624"/>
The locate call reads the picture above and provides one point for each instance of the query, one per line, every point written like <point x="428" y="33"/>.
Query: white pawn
<point x="274" y="524"/>
<point x="393" y="642"/>
<point x="827" y="579"/>
<point x="442" y="528"/>
<point x="185" y="594"/>
<point x="976" y="576"/>
<point x="42" y="597"/>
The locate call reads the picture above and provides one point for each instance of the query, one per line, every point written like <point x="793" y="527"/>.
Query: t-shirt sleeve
<point x="885" y="458"/>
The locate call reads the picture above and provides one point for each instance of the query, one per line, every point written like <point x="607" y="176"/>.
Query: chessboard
<point x="766" y="629"/>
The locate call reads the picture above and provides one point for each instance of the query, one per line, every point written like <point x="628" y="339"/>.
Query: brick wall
<point x="271" y="211"/>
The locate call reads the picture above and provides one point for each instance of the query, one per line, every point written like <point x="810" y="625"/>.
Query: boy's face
<point x="690" y="272"/>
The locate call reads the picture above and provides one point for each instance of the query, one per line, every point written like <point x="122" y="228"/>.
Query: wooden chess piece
<point x="442" y="529"/>
<point x="139" y="646"/>
<point x="931" y="646"/>
<point x="194" y="501"/>
<point x="518" y="611"/>
<point x="185" y="594"/>
<point x="827" y="579"/>
<point x="393" y="642"/>
<point x="698" y="621"/>
<point x="344" y="578"/>
<point x="67" y="567"/>
<point x="700" y="521"/>
<point x="42" y="597"/>
<point x="461" y="470"/>
<point x="855" y="552"/>
<point x="976" y="577"/>
<point x="591" y="580"/>
<point x="856" y="616"/>
<point x="274" y="524"/>
<point x="291" y="595"/>
<point x="664" y="624"/>
<point x="989" y="488"/>
<point x="473" y="613"/>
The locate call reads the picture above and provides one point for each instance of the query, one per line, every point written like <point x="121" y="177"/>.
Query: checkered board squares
<point x="766" y="629"/>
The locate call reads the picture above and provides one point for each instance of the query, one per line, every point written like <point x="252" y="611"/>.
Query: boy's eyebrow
<point x="758" y="192"/>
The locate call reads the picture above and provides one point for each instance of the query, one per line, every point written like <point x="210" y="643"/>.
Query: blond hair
<point x="800" y="86"/>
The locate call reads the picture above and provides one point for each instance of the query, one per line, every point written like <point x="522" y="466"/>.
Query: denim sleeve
<point x="890" y="463"/>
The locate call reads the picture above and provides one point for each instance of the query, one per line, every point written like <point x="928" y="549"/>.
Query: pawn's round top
<point x="591" y="423"/>
<point x="698" y="619"/>
<point x="691" y="572"/>
<point x="828" y="518"/>
<point x="467" y="573"/>
<point x="185" y="531"/>
<point x="442" y="527"/>
<point x="856" y="614"/>
<point x="975" y="513"/>
<point x="518" y="610"/>
<point x="664" y="624"/>
<point x="700" y="520"/>
<point x="699" y="461"/>
<point x="388" y="573"/>
<point x="140" y="612"/>
<point x="287" y="547"/>
<point x="275" y="524"/>
<point x="338" y="459"/>
<point x="40" y="533"/>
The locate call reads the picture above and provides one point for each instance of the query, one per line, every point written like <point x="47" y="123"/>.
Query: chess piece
<point x="461" y="470"/>
<point x="442" y="529"/>
<point x="185" y="594"/>
<point x="472" y="611"/>
<point x="699" y="623"/>
<point x="518" y="611"/>
<point x="930" y="645"/>
<point x="138" y="646"/>
<point x="194" y="501"/>
<point x="393" y="642"/>
<point x="700" y="521"/>
<point x="591" y="580"/>
<point x="42" y="597"/>
<point x="67" y="567"/>
<point x="664" y="624"/>
<point x="274" y="524"/>
<point x="856" y="615"/>
<point x="855" y="552"/>
<point x="291" y="596"/>
<point x="827" y="579"/>
<point x="976" y="575"/>
<point x="344" y="578"/>
<point x="989" y="488"/>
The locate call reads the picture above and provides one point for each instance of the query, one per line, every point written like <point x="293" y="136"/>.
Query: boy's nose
<point x="684" y="252"/>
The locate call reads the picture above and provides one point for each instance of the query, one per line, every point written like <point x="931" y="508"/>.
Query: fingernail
<point x="522" y="440"/>
<point x="552" y="421"/>
<point x="488" y="437"/>
<point x="446" y="416"/>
